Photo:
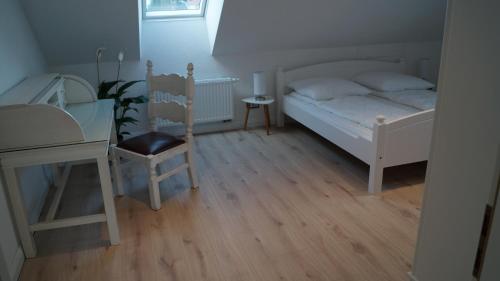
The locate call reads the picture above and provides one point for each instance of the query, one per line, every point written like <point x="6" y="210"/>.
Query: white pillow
<point x="391" y="81"/>
<point x="327" y="88"/>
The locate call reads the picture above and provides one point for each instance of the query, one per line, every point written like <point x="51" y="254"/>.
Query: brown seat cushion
<point x="151" y="143"/>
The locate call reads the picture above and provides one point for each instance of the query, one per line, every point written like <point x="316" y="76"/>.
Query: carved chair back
<point x="171" y="110"/>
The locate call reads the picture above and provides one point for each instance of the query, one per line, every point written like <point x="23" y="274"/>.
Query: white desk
<point x="87" y="134"/>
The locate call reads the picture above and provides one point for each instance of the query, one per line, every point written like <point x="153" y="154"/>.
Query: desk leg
<point x="17" y="205"/>
<point x="109" y="204"/>
<point x="117" y="173"/>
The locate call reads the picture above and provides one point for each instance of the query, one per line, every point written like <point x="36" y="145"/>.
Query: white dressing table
<point x="52" y="119"/>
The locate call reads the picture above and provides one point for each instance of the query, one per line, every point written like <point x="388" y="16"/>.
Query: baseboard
<point x="412" y="277"/>
<point x="17" y="264"/>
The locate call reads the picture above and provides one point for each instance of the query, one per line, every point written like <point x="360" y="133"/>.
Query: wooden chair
<point x="155" y="147"/>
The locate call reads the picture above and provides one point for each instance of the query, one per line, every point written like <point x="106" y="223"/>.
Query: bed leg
<point x="377" y="164"/>
<point x="375" y="180"/>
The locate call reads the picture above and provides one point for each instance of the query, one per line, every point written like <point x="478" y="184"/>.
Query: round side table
<point x="254" y="102"/>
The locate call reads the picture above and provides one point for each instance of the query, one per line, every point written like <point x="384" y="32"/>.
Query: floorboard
<point x="289" y="206"/>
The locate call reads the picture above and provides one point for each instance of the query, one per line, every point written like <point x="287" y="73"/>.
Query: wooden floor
<point x="289" y="206"/>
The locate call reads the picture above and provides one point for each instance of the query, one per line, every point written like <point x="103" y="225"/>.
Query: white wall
<point x="71" y="31"/>
<point x="212" y="15"/>
<point x="462" y="166"/>
<point x="19" y="57"/>
<point x="19" y="54"/>
<point x="172" y="44"/>
<point x="263" y="25"/>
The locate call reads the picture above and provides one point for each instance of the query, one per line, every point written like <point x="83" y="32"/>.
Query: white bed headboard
<point x="343" y="69"/>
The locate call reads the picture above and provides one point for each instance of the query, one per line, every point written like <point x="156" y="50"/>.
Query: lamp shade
<point x="259" y="83"/>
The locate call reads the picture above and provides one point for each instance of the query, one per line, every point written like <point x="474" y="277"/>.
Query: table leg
<point x="246" y="115"/>
<point x="266" y="117"/>
<point x="21" y="219"/>
<point x="109" y="204"/>
<point x="117" y="172"/>
<point x="113" y="138"/>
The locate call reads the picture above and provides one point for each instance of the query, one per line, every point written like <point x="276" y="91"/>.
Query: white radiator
<point x="213" y="101"/>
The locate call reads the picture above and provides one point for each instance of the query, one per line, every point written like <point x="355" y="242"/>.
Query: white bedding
<point x="363" y="110"/>
<point x="346" y="125"/>
<point x="305" y="99"/>
<point x="420" y="99"/>
<point x="360" y="110"/>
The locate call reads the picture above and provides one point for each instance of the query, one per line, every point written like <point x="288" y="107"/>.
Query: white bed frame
<point x="402" y="141"/>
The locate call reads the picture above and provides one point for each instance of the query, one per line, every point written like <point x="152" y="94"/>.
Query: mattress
<point x="355" y="114"/>
<point x="313" y="107"/>
<point x="420" y="99"/>
<point x="364" y="110"/>
<point x="305" y="99"/>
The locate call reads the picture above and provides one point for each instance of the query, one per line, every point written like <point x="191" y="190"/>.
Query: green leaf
<point x="114" y="96"/>
<point x="122" y="105"/>
<point x="137" y="100"/>
<point x="126" y="102"/>
<point x="140" y="99"/>
<point x="124" y="120"/>
<point x="129" y="108"/>
<point x="104" y="88"/>
<point x="121" y="90"/>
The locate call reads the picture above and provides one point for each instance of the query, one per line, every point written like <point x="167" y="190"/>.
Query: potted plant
<point x="116" y="90"/>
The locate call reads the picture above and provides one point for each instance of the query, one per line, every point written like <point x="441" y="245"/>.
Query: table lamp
<point x="259" y="85"/>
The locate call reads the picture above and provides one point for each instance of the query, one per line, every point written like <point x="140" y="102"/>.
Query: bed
<point x="401" y="135"/>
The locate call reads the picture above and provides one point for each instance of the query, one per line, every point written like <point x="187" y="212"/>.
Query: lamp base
<point x="260" y="97"/>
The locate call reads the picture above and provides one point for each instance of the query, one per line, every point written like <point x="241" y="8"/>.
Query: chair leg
<point x="193" y="178"/>
<point x="117" y="174"/>
<point x="158" y="170"/>
<point x="154" y="188"/>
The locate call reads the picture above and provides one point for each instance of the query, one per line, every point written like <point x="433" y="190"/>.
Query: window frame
<point x="166" y="17"/>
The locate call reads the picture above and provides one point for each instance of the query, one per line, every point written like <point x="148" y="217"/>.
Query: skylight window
<point x="173" y="8"/>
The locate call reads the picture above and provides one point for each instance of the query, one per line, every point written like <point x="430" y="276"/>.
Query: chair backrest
<point x="172" y="84"/>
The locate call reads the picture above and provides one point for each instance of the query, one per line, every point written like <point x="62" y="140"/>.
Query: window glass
<point x="173" y="8"/>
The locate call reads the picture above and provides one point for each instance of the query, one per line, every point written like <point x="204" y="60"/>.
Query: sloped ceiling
<point x="261" y="25"/>
<point x="70" y="31"/>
